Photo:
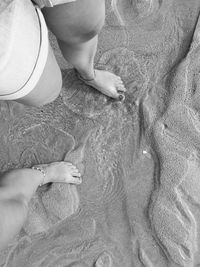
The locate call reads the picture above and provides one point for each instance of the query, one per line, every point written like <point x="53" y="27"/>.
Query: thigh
<point x="48" y="86"/>
<point x="76" y="21"/>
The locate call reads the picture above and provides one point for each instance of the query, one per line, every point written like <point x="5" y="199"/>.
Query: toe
<point x="119" y="81"/>
<point x="115" y="95"/>
<point x="120" y="84"/>
<point x="75" y="180"/>
<point x="121" y="97"/>
<point x="69" y="163"/>
<point x="113" y="92"/>
<point x="76" y="173"/>
<point x="121" y="88"/>
<point x="119" y="78"/>
<point x="74" y="169"/>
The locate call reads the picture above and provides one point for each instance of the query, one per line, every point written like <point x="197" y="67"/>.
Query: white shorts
<point x="10" y="77"/>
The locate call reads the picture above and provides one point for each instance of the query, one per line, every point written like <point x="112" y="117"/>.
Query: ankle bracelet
<point x="39" y="168"/>
<point x="85" y="80"/>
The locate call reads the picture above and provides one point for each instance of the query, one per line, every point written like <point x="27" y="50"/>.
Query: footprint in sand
<point x="60" y="200"/>
<point x="61" y="194"/>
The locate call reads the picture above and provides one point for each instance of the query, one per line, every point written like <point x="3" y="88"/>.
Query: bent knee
<point x="82" y="34"/>
<point x="76" y="22"/>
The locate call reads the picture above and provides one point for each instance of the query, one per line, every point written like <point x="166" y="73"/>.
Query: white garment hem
<point x="39" y="66"/>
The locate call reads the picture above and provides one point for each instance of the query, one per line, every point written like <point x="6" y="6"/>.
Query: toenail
<point x="121" y="97"/>
<point x="80" y="180"/>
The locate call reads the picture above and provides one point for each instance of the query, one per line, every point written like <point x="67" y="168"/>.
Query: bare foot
<point x="60" y="172"/>
<point x="104" y="260"/>
<point x="107" y="83"/>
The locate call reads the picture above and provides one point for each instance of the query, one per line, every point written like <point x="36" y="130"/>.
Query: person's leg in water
<point x="17" y="188"/>
<point x="76" y="26"/>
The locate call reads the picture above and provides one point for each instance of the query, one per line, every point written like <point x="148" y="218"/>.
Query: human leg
<point x="17" y="188"/>
<point x="29" y="72"/>
<point x="76" y="26"/>
<point x="45" y="82"/>
<point x="81" y="57"/>
<point x="48" y="85"/>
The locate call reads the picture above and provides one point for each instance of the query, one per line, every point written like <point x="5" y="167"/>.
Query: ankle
<point x="85" y="71"/>
<point x="87" y="77"/>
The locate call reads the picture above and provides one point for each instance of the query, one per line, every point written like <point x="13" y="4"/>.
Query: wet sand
<point x="139" y="203"/>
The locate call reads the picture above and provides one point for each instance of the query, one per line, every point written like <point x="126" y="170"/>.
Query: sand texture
<point x="139" y="203"/>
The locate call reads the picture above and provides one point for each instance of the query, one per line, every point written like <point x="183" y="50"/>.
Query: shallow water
<point x="139" y="202"/>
